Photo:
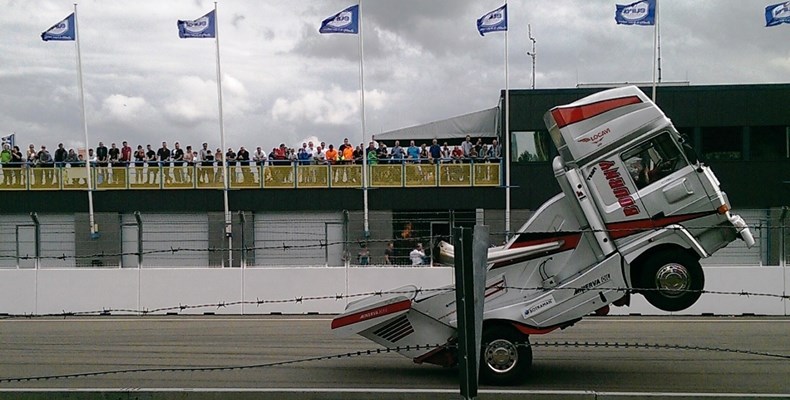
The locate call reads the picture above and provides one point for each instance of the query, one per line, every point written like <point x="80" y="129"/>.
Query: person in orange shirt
<point x="348" y="154"/>
<point x="331" y="154"/>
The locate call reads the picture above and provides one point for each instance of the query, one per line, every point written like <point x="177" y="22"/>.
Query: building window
<point x="530" y="146"/>
<point x="722" y="143"/>
<point x="769" y="142"/>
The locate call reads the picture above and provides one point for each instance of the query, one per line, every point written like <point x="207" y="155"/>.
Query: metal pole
<point x="655" y="46"/>
<point x="224" y="166"/>
<point x="532" y="54"/>
<point x="139" y="220"/>
<point x="88" y="179"/>
<point x="37" y="238"/>
<point x="507" y="147"/>
<point x="362" y="110"/>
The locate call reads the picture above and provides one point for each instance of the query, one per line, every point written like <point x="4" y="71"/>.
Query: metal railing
<point x="278" y="176"/>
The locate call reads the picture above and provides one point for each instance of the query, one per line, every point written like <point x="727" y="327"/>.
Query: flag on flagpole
<point x="8" y="140"/>
<point x="203" y="27"/>
<point x="493" y="21"/>
<point x="346" y="21"/>
<point x="63" y="30"/>
<point x="639" y="13"/>
<point x="777" y="14"/>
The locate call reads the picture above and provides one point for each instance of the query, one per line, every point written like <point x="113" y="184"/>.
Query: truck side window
<point x="653" y="160"/>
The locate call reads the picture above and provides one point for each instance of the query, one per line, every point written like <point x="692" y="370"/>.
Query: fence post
<point x="139" y="239"/>
<point x="37" y="238"/>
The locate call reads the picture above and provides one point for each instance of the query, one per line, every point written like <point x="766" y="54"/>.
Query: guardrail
<point x="289" y="176"/>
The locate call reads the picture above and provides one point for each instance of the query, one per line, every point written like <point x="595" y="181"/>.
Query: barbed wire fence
<point x="279" y="239"/>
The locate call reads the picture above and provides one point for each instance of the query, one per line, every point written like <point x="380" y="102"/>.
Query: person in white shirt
<point x="417" y="255"/>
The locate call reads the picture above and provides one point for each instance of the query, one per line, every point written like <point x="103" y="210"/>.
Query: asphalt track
<point x="47" y="347"/>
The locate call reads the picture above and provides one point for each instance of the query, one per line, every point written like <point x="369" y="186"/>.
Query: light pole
<point x="532" y="54"/>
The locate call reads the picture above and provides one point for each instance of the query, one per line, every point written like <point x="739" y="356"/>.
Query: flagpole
<point x="655" y="46"/>
<point x="364" y="142"/>
<point x="224" y="166"/>
<point x="507" y="145"/>
<point x="91" y="219"/>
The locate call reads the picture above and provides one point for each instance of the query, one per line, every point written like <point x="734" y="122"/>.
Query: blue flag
<point x="8" y="140"/>
<point x="494" y="21"/>
<point x="63" y="30"/>
<point x="640" y="13"/>
<point x="777" y="14"/>
<point x="346" y="21"/>
<point x="203" y="27"/>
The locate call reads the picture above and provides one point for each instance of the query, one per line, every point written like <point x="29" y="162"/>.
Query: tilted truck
<point x="636" y="214"/>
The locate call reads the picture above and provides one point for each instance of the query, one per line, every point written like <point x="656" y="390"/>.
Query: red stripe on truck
<point x="370" y="314"/>
<point x="570" y="115"/>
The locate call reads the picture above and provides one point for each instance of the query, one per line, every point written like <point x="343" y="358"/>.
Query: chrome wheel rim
<point x="501" y="356"/>
<point x="673" y="280"/>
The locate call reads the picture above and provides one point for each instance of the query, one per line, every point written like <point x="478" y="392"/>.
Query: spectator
<point x="389" y="254"/>
<point x="373" y="157"/>
<point x="178" y="162"/>
<point x="424" y="154"/>
<point x="153" y="171"/>
<point x="164" y="156"/>
<point x="102" y="161"/>
<point x="114" y="157"/>
<point x="71" y="157"/>
<point x="218" y="172"/>
<point x="346" y="154"/>
<point x="230" y="156"/>
<point x="397" y="153"/>
<point x="139" y="163"/>
<point x="207" y="161"/>
<point x="417" y="255"/>
<point x="357" y="154"/>
<point x="343" y="146"/>
<point x="480" y="147"/>
<point x="45" y="161"/>
<point x="383" y="154"/>
<point x="16" y="162"/>
<point x="363" y="257"/>
<point x="413" y="152"/>
<point x="259" y="156"/>
<point x="446" y="153"/>
<point x="126" y="153"/>
<point x="5" y="159"/>
<point x="205" y="150"/>
<point x="243" y="157"/>
<point x="60" y="155"/>
<point x="467" y="146"/>
<point x="32" y="155"/>
<point x="457" y="154"/>
<point x="494" y="151"/>
<point x="319" y="156"/>
<point x="331" y="154"/>
<point x="303" y="156"/>
<point x="435" y="152"/>
<point x="189" y="160"/>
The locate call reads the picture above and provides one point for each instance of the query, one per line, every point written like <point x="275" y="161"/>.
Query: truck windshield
<point x="653" y="160"/>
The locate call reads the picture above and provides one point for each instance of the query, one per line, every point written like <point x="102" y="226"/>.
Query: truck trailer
<point x="637" y="212"/>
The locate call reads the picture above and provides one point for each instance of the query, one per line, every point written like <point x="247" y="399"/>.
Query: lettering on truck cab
<point x="619" y="189"/>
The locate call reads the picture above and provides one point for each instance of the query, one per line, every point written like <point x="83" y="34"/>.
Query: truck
<point x="636" y="213"/>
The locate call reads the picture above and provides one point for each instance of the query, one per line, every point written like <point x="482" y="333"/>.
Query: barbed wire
<point x="320" y="244"/>
<point x="386" y="350"/>
<point x="340" y="296"/>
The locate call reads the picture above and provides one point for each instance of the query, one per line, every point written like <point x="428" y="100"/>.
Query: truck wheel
<point x="506" y="355"/>
<point x="674" y="280"/>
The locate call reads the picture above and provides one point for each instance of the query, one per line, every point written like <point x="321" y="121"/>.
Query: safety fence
<point x="276" y="176"/>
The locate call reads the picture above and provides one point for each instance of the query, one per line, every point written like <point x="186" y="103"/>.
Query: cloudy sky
<point x="284" y="82"/>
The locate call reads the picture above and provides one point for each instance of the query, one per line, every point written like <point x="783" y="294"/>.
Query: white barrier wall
<point x="288" y="290"/>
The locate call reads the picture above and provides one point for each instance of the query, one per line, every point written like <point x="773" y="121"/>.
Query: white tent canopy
<point x="477" y="124"/>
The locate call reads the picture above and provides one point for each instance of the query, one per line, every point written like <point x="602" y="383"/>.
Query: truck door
<point x="615" y="193"/>
<point x="667" y="185"/>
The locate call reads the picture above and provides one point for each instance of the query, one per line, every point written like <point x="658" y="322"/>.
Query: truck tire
<point x="506" y="356"/>
<point x="672" y="280"/>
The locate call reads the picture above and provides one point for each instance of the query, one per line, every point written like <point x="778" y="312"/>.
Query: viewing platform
<point x="23" y="177"/>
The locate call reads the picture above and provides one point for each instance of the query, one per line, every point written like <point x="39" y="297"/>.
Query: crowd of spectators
<point x="308" y="154"/>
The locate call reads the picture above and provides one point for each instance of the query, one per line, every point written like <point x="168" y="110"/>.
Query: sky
<point x="283" y="82"/>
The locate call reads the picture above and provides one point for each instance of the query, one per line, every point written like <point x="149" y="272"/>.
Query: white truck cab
<point x="636" y="213"/>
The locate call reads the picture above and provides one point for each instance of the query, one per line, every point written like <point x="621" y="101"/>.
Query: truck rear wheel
<point x="673" y="280"/>
<point x="506" y="356"/>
